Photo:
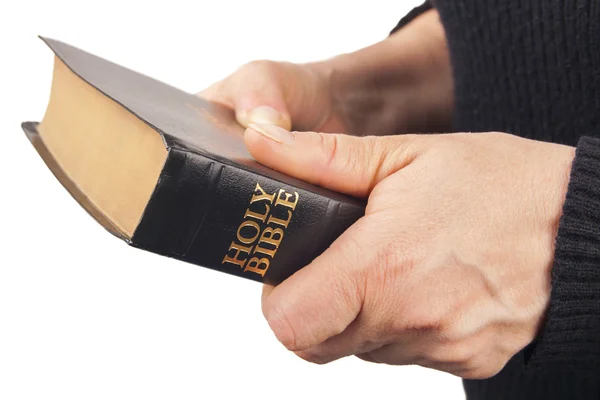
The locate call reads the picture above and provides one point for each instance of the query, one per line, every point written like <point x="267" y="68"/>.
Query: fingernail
<point x="273" y="132"/>
<point x="268" y="115"/>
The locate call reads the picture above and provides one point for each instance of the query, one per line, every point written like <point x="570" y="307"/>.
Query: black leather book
<point x="169" y="173"/>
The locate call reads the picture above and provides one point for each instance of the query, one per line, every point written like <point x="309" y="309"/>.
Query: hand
<point x="401" y="84"/>
<point x="279" y="93"/>
<point x="450" y="267"/>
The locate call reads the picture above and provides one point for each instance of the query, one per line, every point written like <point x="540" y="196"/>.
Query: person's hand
<point x="279" y="93"/>
<point x="449" y="268"/>
<point x="401" y="84"/>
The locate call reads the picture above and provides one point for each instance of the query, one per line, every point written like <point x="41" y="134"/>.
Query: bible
<point x="168" y="172"/>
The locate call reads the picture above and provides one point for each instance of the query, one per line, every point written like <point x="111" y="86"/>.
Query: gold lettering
<point x="266" y="252"/>
<point x="236" y="258"/>
<point x="252" y="225"/>
<point x="272" y="236"/>
<point x="260" y="217"/>
<point x="260" y="234"/>
<point x="282" y="222"/>
<point x="258" y="266"/>
<point x="286" y="201"/>
<point x="262" y="196"/>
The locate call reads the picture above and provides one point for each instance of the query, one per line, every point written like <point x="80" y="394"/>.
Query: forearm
<point x="401" y="84"/>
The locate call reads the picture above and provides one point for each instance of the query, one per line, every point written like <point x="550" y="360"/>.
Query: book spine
<point x="239" y="222"/>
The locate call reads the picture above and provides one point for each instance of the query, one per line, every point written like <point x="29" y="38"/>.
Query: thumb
<point x="347" y="164"/>
<point x="254" y="96"/>
<point x="252" y="110"/>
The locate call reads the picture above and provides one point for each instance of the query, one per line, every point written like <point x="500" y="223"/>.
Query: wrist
<point x="560" y="166"/>
<point x="569" y="327"/>
<point x="552" y="164"/>
<point x="402" y="84"/>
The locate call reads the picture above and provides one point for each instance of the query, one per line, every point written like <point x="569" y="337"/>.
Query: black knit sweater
<point x="532" y="68"/>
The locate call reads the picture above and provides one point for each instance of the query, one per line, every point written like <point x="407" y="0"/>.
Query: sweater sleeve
<point x="411" y="16"/>
<point x="571" y="334"/>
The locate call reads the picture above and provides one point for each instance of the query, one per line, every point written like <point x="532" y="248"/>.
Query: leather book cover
<point x="213" y="204"/>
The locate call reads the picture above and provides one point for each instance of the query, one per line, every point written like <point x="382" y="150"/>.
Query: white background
<point x="84" y="316"/>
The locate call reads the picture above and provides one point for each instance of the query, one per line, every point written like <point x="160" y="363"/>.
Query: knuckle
<point x="348" y="155"/>
<point x="331" y="159"/>
<point x="314" y="357"/>
<point x="428" y="315"/>
<point x="482" y="366"/>
<point x="451" y="329"/>
<point x="478" y="371"/>
<point x="471" y="374"/>
<point x="351" y="152"/>
<point x="257" y="67"/>
<point x="329" y="148"/>
<point x="457" y="353"/>
<point x="282" y="326"/>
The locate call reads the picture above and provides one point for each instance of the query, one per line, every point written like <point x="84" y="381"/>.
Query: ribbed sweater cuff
<point x="411" y="16"/>
<point x="571" y="334"/>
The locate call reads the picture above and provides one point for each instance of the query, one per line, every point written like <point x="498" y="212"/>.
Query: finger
<point x="394" y="354"/>
<point x="478" y="357"/>
<point x="347" y="164"/>
<point x="366" y="357"/>
<point x="255" y="93"/>
<point x="353" y="340"/>
<point x="366" y="339"/>
<point x="321" y="300"/>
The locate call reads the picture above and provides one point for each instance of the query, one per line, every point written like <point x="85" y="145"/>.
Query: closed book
<point x="168" y="172"/>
